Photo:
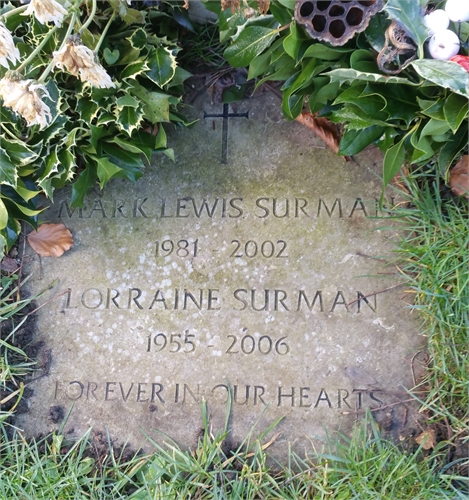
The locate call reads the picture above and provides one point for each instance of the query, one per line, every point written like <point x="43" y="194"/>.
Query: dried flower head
<point x="46" y="11"/>
<point x="7" y="48"/>
<point x="80" y="61"/>
<point x="263" y="6"/>
<point x="233" y="4"/>
<point x="24" y="97"/>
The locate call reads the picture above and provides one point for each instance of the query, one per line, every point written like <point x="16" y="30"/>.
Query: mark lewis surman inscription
<point x="260" y="280"/>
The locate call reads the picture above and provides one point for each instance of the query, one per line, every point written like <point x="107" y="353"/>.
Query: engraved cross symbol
<point x="225" y="115"/>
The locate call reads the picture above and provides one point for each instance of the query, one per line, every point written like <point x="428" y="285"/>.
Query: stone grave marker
<point x="250" y="268"/>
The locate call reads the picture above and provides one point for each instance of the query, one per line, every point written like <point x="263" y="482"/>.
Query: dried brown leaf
<point x="50" y="240"/>
<point x="428" y="438"/>
<point x="323" y="128"/>
<point x="9" y="265"/>
<point x="459" y="177"/>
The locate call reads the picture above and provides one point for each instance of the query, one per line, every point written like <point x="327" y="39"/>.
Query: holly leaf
<point x="128" y="113"/>
<point x="50" y="240"/>
<point x="8" y="173"/>
<point x="162" y="64"/>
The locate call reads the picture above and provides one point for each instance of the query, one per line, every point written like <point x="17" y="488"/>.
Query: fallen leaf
<point x="50" y="240"/>
<point x="323" y="128"/>
<point x="9" y="265"/>
<point x="459" y="177"/>
<point x="428" y="438"/>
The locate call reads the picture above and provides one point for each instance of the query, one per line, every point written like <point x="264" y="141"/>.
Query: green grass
<point x="433" y="258"/>
<point x="436" y="263"/>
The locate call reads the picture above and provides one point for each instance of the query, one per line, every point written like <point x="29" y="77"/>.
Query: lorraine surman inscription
<point x="260" y="280"/>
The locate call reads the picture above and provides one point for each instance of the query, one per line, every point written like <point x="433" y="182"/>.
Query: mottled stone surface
<point x="258" y="275"/>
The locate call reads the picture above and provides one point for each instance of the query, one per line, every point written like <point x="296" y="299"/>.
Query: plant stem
<point x="49" y="67"/>
<point x="36" y="51"/>
<point x="90" y="18"/>
<point x="100" y="41"/>
<point x="13" y="12"/>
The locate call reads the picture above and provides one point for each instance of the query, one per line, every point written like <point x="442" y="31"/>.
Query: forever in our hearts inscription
<point x="261" y="279"/>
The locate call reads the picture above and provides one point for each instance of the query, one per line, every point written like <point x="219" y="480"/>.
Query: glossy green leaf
<point x="393" y="161"/>
<point x="293" y="41"/>
<point x="162" y="66"/>
<point x="130" y="163"/>
<point x="455" y="109"/>
<point x="27" y="192"/>
<point x="180" y="76"/>
<point x="289" y="4"/>
<point x="373" y="105"/>
<point x="3" y="243"/>
<point x="355" y="118"/>
<point x="250" y="43"/>
<point x="409" y="14"/>
<point x="83" y="184"/>
<point x="326" y="53"/>
<point x="435" y="127"/>
<point x="351" y="75"/>
<point x="3" y="215"/>
<point x="106" y="170"/>
<point x="259" y="65"/>
<point x="447" y="74"/>
<point x="354" y="141"/>
<point x="452" y="148"/>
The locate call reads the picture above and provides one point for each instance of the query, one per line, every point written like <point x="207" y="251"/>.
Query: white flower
<point x="7" y="47"/>
<point x="80" y="61"/>
<point x="22" y="97"/>
<point x="46" y="11"/>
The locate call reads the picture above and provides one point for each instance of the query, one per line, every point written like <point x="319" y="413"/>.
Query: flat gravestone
<point x="250" y="268"/>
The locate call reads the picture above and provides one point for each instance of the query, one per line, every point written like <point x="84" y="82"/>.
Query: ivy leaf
<point x="162" y="66"/>
<point x="111" y="56"/>
<point x="409" y="15"/>
<point x="250" y="43"/>
<point x="447" y="74"/>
